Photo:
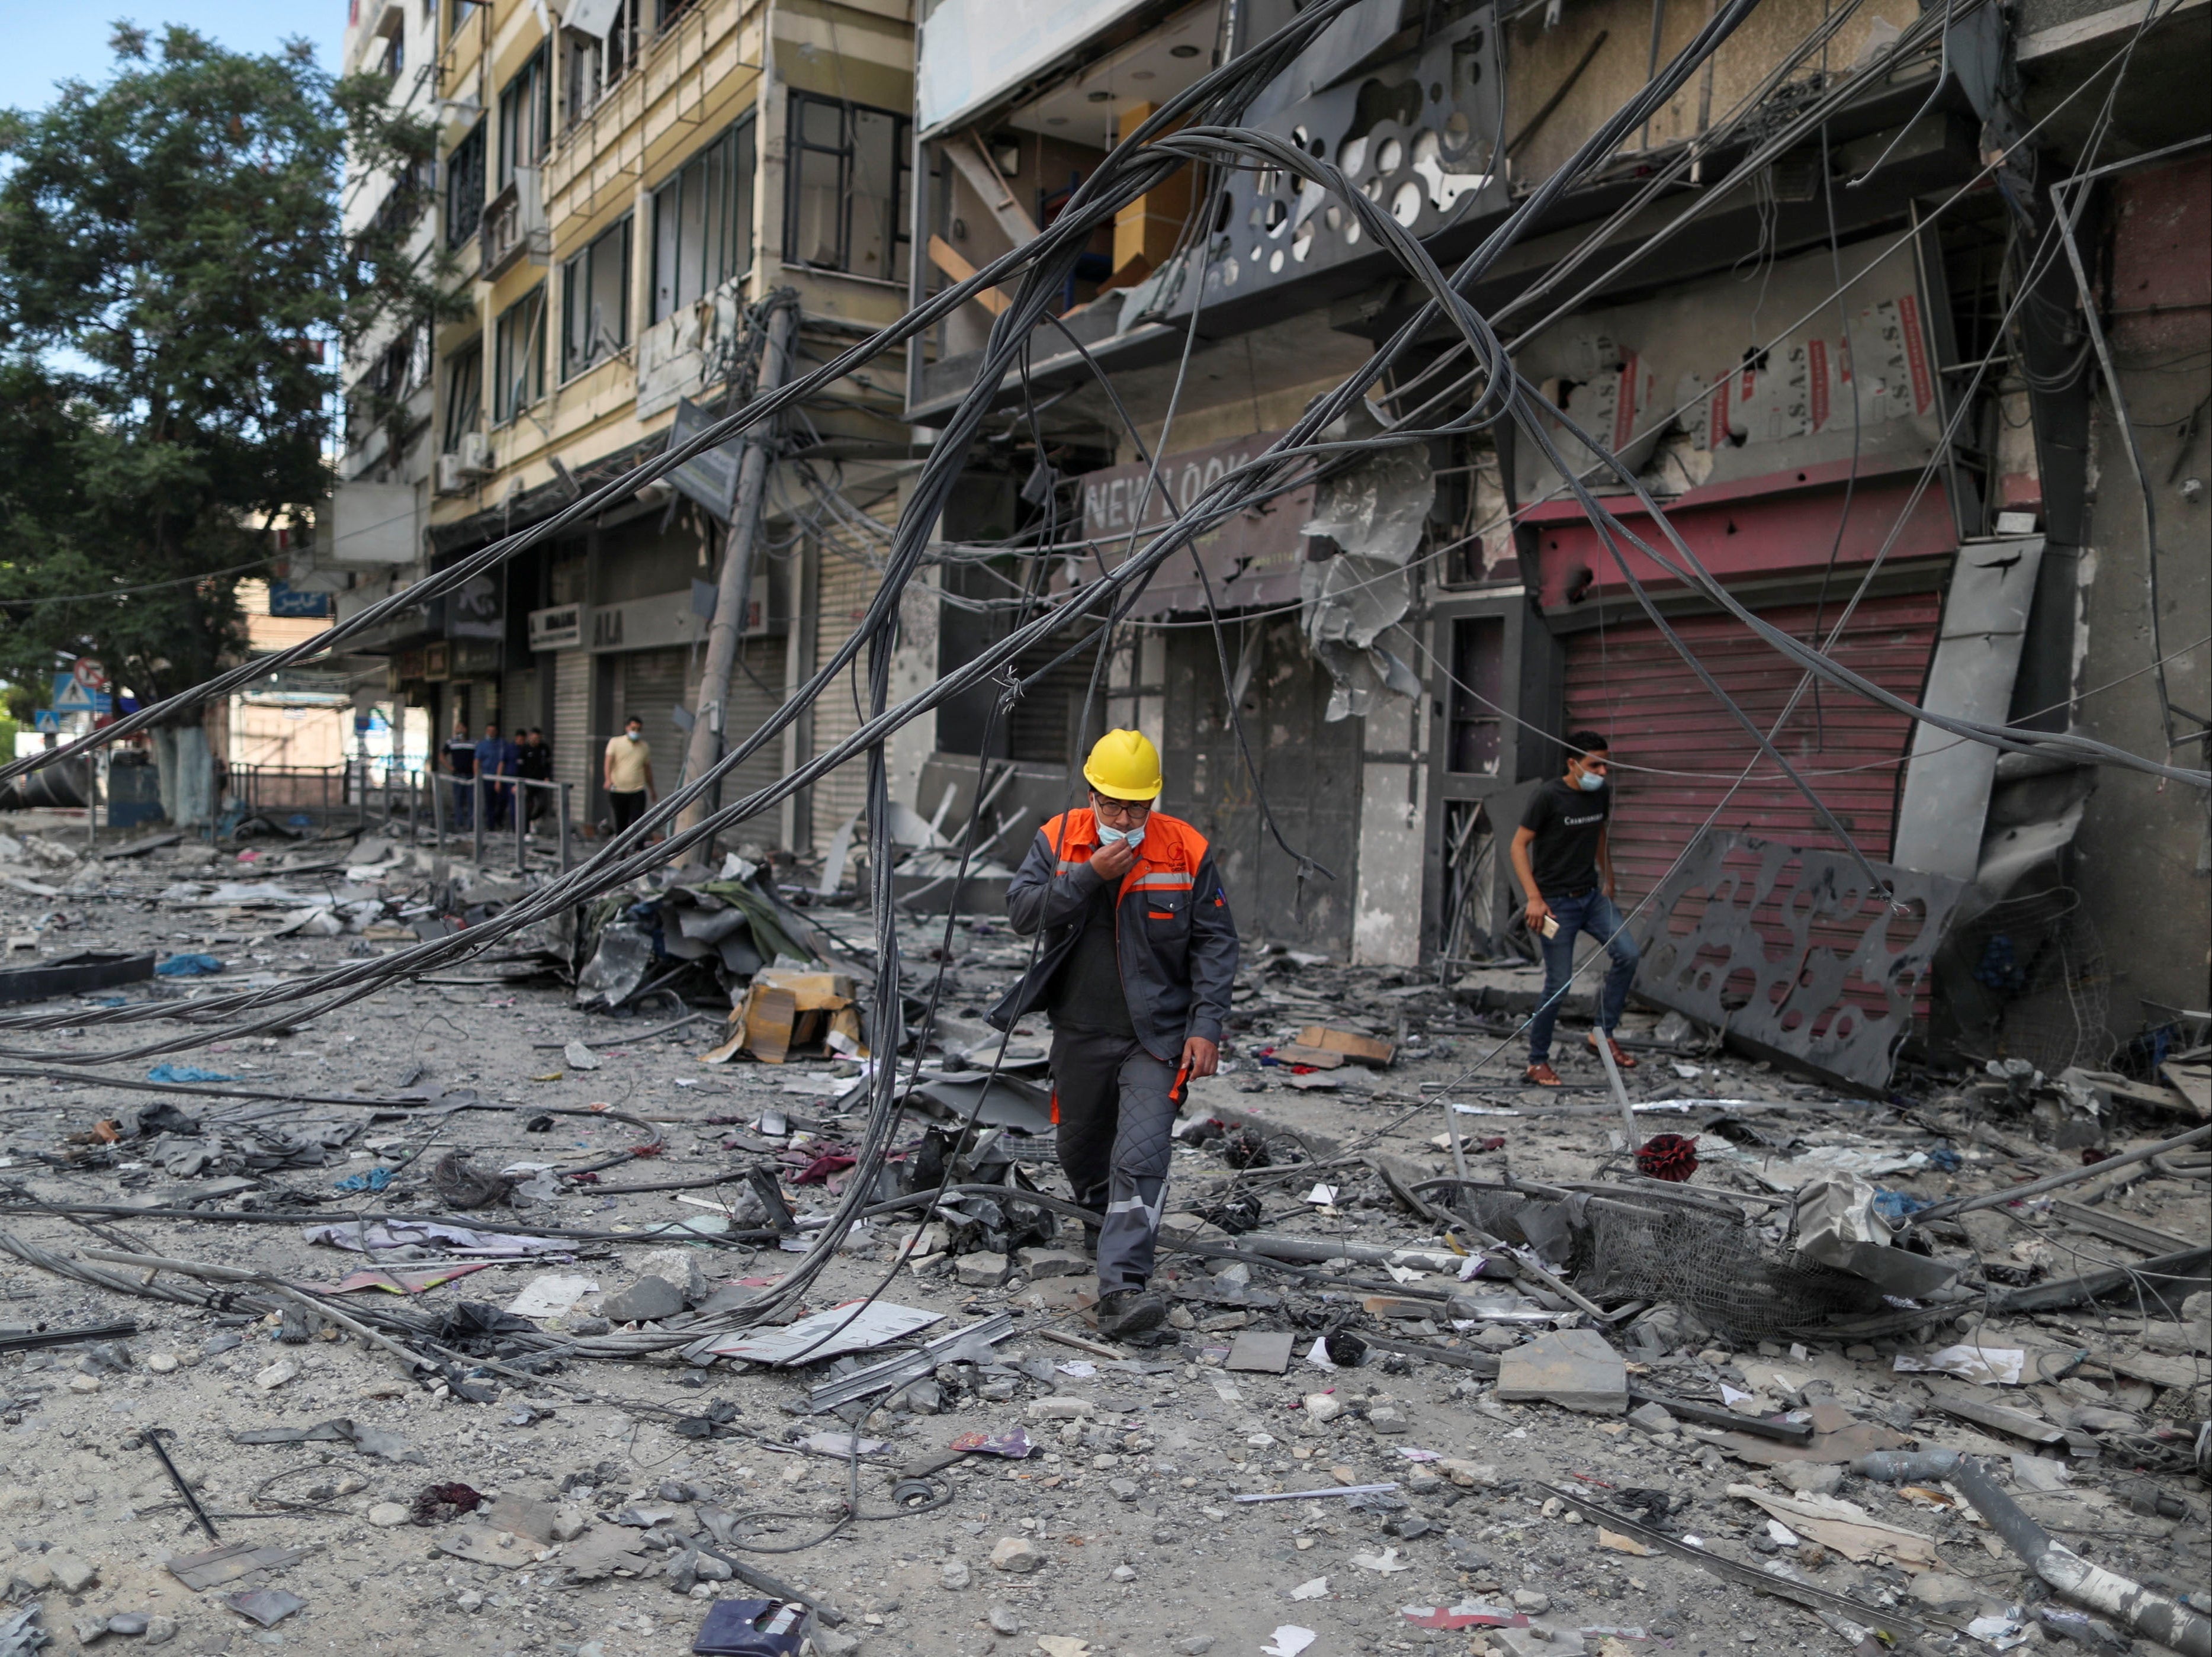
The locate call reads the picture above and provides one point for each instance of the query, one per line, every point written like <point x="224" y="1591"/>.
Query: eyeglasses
<point x="1118" y="809"/>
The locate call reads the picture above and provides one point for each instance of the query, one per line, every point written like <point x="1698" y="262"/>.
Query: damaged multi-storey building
<point x="1874" y="307"/>
<point x="628" y="195"/>
<point x="1892" y="312"/>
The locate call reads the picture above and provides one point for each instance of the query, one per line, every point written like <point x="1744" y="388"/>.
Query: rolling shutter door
<point x="574" y="752"/>
<point x="843" y="586"/>
<point x="652" y="690"/>
<point x="1629" y="683"/>
<point x="755" y="692"/>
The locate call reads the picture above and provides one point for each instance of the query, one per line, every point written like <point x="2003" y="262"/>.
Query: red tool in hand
<point x="1182" y="1079"/>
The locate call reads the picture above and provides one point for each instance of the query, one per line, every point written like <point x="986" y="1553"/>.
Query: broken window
<point x="518" y="356"/>
<point x="463" y="410"/>
<point x="849" y="177"/>
<point x="702" y="222"/>
<point x="600" y="44"/>
<point x="595" y="301"/>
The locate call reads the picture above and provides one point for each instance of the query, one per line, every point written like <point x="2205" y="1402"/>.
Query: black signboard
<point x="710" y="477"/>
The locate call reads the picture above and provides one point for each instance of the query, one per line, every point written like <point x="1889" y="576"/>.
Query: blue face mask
<point x="1111" y="836"/>
<point x="1589" y="782"/>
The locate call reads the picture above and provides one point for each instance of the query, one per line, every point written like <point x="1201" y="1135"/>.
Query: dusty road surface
<point x="421" y="1297"/>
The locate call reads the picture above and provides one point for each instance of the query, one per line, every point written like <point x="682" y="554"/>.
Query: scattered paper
<point x="840" y="1445"/>
<point x="1316" y="1589"/>
<point x="1290" y="1640"/>
<point x="1990" y="1366"/>
<point x="1386" y="1561"/>
<point x="552" y="1296"/>
<point x="2003" y="1632"/>
<point x="1322" y="1196"/>
<point x="1317" y="1354"/>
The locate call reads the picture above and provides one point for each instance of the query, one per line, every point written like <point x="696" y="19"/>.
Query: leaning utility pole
<point x="733" y="595"/>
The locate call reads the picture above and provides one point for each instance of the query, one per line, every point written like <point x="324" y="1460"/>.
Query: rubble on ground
<point x="435" y="1305"/>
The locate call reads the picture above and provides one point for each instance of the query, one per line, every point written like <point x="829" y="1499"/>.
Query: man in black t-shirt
<point x="460" y="755"/>
<point x="536" y="764"/>
<point x="1566" y="868"/>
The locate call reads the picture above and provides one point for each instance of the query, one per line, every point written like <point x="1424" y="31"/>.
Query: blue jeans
<point x="1594" y="912"/>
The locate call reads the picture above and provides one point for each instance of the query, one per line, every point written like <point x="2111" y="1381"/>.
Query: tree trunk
<point x="188" y="775"/>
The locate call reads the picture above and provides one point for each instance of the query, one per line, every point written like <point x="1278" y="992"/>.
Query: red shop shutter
<point x="1631" y="684"/>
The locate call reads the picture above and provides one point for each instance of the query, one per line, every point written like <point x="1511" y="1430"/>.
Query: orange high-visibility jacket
<point x="1173" y="934"/>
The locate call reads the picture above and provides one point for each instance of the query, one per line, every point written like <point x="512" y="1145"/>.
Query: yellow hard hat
<point x="1124" y="765"/>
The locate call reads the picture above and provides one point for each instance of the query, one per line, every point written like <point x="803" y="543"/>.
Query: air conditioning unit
<point x="475" y="452"/>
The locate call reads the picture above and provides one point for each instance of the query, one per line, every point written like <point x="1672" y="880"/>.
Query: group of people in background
<point x="626" y="772"/>
<point x="525" y="755"/>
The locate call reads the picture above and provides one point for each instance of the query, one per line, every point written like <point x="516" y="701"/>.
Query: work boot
<point x="1126" y="1312"/>
<point x="1621" y="1058"/>
<point x="1543" y="1076"/>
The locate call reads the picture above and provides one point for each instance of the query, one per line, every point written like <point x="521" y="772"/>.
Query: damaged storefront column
<point x="1373" y="517"/>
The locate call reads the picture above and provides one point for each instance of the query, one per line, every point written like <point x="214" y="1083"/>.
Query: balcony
<point x="514" y="227"/>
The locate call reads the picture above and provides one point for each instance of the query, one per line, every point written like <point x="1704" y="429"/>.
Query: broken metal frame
<point x="1754" y="922"/>
<point x="900" y="1368"/>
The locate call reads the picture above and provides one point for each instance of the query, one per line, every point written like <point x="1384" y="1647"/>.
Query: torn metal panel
<point x="1743" y="405"/>
<point x="1375" y="513"/>
<point x="1413" y="133"/>
<point x="1789" y="952"/>
<point x="1946" y="797"/>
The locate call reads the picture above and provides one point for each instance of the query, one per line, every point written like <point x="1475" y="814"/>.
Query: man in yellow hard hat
<point x="1138" y="958"/>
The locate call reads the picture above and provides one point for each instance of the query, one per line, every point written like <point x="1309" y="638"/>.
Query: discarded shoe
<point x="1620" y="1055"/>
<point x="1126" y="1312"/>
<point x="1544" y="1076"/>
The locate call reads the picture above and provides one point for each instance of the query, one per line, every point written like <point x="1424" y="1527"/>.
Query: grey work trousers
<point x="1116" y="1128"/>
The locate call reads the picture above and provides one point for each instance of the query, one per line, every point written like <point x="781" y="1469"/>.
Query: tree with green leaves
<point x="174" y="275"/>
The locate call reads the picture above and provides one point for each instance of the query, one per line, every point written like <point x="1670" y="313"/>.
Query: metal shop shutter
<point x="1631" y="684"/>
<point x="844" y="585"/>
<point x="755" y="692"/>
<point x="651" y="689"/>
<point x="575" y="746"/>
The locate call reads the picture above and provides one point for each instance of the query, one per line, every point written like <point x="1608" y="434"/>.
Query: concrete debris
<point x="1384" y="1393"/>
<point x="1574" y="1368"/>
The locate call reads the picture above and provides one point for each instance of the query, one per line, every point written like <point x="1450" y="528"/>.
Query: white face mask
<point x="1113" y="836"/>
<point x="634" y="736"/>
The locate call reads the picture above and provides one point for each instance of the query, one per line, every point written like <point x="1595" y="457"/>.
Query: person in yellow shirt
<point x="626" y="770"/>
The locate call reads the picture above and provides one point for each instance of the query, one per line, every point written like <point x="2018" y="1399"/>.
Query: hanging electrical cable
<point x="1200" y="124"/>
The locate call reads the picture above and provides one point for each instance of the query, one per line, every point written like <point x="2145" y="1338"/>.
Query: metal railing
<point x="490" y="804"/>
<point x="264" y="789"/>
<point x="409" y="801"/>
